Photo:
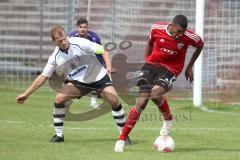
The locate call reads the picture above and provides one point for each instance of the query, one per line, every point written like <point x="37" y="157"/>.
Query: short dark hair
<point x="81" y="21"/>
<point x="181" y="20"/>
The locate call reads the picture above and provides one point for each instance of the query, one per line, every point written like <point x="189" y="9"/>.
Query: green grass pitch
<point x="25" y="131"/>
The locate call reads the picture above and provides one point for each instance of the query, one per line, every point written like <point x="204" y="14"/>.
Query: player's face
<point x="61" y="41"/>
<point x="177" y="31"/>
<point x="82" y="29"/>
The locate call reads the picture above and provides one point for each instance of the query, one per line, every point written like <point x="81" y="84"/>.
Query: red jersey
<point x="170" y="52"/>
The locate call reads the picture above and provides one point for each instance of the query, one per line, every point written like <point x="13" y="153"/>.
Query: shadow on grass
<point x="96" y="140"/>
<point x="101" y="140"/>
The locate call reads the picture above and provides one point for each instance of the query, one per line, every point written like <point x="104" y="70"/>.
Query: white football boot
<point x="166" y="127"/>
<point x="119" y="146"/>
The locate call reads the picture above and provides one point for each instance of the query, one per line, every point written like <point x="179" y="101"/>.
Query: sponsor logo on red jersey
<point x="168" y="51"/>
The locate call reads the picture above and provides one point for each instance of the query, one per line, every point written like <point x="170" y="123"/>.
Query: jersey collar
<point x="168" y="31"/>
<point x="64" y="51"/>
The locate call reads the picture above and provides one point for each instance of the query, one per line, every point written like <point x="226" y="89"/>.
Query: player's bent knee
<point x="157" y="93"/>
<point x="60" y="98"/>
<point x="157" y="89"/>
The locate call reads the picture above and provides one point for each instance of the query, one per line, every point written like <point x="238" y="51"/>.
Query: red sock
<point x="165" y="110"/>
<point x="130" y="123"/>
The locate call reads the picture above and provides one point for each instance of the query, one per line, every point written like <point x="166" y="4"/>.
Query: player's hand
<point x="109" y="70"/>
<point x="189" y="74"/>
<point x="114" y="70"/>
<point x="21" y="98"/>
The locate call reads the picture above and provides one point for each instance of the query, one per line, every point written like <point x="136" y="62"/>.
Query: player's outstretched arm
<point x="38" y="82"/>
<point x="188" y="71"/>
<point x="107" y="61"/>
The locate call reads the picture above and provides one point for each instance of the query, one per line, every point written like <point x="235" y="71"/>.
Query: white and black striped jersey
<point x="78" y="63"/>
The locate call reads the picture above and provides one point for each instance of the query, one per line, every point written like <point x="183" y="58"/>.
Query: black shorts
<point x="155" y="75"/>
<point x="97" y="86"/>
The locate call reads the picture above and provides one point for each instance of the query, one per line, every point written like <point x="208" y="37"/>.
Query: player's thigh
<point x="110" y="94"/>
<point x="163" y="82"/>
<point x="145" y="81"/>
<point x="67" y="93"/>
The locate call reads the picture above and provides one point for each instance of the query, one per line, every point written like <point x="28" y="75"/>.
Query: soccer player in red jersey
<point x="165" y="54"/>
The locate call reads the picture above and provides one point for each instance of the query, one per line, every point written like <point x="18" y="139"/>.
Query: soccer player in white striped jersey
<point x="84" y="32"/>
<point x="75" y="58"/>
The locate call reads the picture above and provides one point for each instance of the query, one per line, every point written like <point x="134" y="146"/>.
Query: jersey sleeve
<point x="50" y="66"/>
<point x="94" y="37"/>
<point x="98" y="40"/>
<point x="194" y="39"/>
<point x="91" y="47"/>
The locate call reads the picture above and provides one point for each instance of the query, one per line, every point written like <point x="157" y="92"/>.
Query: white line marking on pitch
<point x="14" y="122"/>
<point x="206" y="109"/>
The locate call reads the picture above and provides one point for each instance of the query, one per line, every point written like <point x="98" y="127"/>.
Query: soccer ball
<point x="164" y="144"/>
